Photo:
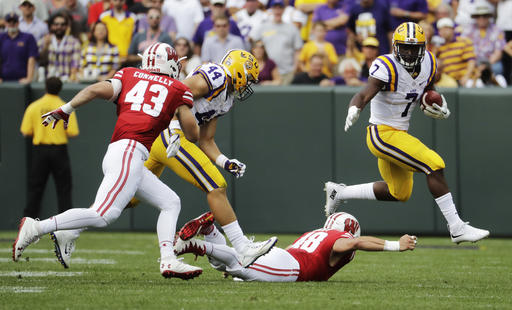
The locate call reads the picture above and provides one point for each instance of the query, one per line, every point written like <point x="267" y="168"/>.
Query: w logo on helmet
<point x="171" y="53"/>
<point x="351" y="226"/>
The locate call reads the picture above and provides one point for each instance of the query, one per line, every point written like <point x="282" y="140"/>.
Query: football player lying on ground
<point x="316" y="256"/>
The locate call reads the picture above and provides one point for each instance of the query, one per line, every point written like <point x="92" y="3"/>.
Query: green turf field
<point x="120" y="271"/>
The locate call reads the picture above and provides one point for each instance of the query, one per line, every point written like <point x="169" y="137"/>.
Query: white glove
<point x="173" y="145"/>
<point x="435" y="111"/>
<point x="352" y="116"/>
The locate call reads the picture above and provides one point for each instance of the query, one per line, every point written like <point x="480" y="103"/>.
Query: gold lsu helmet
<point x="409" y="44"/>
<point x="243" y="69"/>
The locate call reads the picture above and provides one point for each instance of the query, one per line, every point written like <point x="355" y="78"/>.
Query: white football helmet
<point x="343" y="221"/>
<point x="161" y="58"/>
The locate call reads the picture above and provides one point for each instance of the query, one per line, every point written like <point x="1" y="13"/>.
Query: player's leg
<point x="195" y="167"/>
<point x="156" y="193"/>
<point x="38" y="176"/>
<point x="409" y="153"/>
<point x="122" y="168"/>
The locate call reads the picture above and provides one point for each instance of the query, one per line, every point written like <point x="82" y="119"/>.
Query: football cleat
<point x="194" y="246"/>
<point x="27" y="234"/>
<point x="331" y="203"/>
<point x="202" y="224"/>
<point x="253" y="250"/>
<point x="171" y="267"/>
<point x="468" y="233"/>
<point x="64" y="242"/>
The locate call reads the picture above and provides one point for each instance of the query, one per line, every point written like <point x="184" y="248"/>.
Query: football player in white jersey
<point x="213" y="87"/>
<point x="395" y="84"/>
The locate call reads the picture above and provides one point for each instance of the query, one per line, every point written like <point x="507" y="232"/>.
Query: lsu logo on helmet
<point x="243" y="69"/>
<point x="409" y="45"/>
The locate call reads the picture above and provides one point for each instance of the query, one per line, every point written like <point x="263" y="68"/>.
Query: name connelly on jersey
<point x="152" y="77"/>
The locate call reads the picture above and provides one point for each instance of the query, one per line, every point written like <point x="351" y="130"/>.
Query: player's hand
<point x="352" y="116"/>
<point x="54" y="116"/>
<point x="173" y="143"/>
<point x="443" y="111"/>
<point x="235" y="167"/>
<point x="407" y="243"/>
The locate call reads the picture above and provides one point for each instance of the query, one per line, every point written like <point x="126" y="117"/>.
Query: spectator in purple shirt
<point x="18" y="52"/>
<point x="407" y="11"/>
<point x="371" y="18"/>
<point x="167" y="23"/>
<point x="334" y="14"/>
<point x="218" y="8"/>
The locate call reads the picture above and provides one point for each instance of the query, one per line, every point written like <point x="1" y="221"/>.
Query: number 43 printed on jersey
<point x="137" y="94"/>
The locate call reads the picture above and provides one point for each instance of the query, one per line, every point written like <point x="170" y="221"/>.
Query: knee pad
<point x="402" y="196"/>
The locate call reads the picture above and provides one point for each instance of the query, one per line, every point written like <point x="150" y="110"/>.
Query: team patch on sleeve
<point x="384" y="69"/>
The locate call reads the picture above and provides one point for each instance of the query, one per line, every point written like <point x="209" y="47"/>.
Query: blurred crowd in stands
<point x="323" y="42"/>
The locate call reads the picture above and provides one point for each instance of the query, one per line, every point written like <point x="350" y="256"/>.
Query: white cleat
<point x="27" y="234"/>
<point x="468" y="233"/>
<point x="253" y="250"/>
<point x="64" y="242"/>
<point x="331" y="203"/>
<point x="171" y="267"/>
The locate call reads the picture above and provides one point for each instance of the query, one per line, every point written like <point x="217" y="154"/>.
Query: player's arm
<point x="198" y="85"/>
<point x="361" y="99"/>
<point x="103" y="90"/>
<point x="367" y="243"/>
<point x="188" y="123"/>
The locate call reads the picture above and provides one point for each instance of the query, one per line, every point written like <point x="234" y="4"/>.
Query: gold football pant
<point x="399" y="155"/>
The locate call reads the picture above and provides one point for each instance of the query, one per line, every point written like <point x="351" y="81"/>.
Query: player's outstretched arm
<point x="361" y="99"/>
<point x="367" y="243"/>
<point x="188" y="123"/>
<point x="103" y="90"/>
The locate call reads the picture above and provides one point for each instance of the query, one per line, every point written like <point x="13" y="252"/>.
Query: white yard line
<point x="22" y="289"/>
<point x="115" y="252"/>
<point x="39" y="274"/>
<point x="74" y="260"/>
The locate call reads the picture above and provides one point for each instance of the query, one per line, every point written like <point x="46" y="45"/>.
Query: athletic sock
<point x="72" y="219"/>
<point x="215" y="236"/>
<point x="235" y="236"/>
<point x="359" y="191"/>
<point x="449" y="211"/>
<point x="166" y="249"/>
<point x="222" y="253"/>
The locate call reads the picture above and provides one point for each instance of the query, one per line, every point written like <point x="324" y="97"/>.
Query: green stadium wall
<point x="292" y="140"/>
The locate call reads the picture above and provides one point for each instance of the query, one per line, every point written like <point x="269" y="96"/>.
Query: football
<point x="430" y="97"/>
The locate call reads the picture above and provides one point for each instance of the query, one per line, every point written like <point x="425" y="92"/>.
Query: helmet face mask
<point x="243" y="69"/>
<point x="343" y="221"/>
<point x="409" y="45"/>
<point x="161" y="58"/>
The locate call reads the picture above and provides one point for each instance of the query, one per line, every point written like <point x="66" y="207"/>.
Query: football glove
<point x="173" y="143"/>
<point x="56" y="115"/>
<point x="235" y="167"/>
<point x="352" y="116"/>
<point x="435" y="111"/>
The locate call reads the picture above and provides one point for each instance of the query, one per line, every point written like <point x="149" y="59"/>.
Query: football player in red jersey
<point x="146" y="99"/>
<point x="315" y="256"/>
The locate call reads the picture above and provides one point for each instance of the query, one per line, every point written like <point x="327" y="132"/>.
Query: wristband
<point x="391" y="246"/>
<point x="67" y="108"/>
<point x="221" y="160"/>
